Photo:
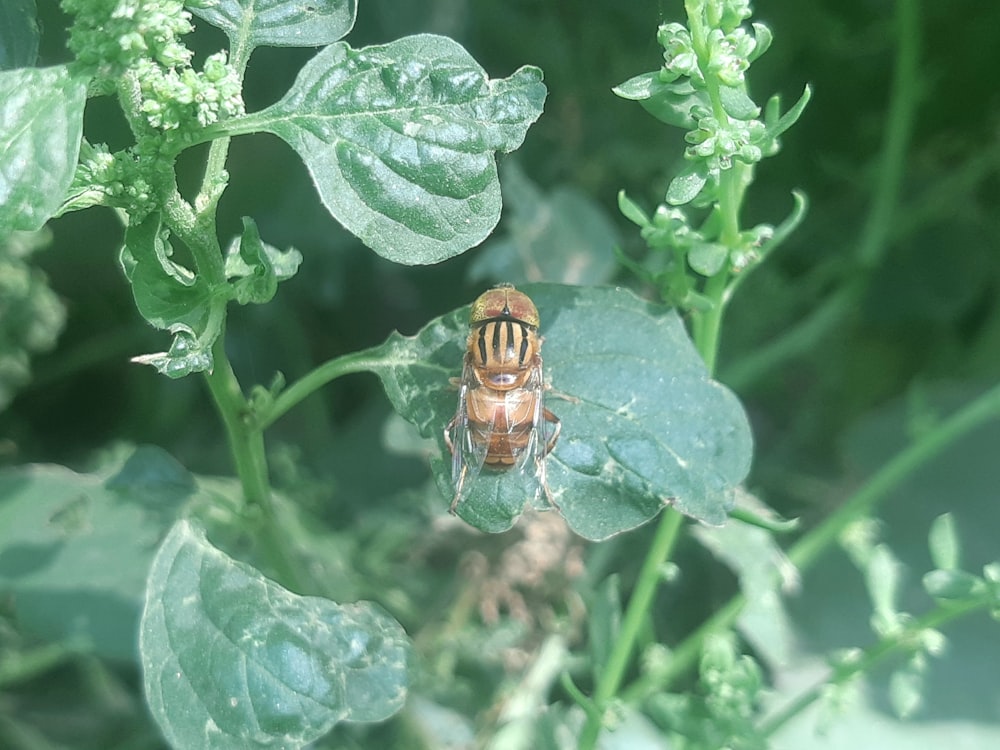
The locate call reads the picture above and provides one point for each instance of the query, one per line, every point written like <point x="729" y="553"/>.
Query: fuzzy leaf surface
<point x="41" y="124"/>
<point x="643" y="426"/>
<point x="400" y="140"/>
<point x="281" y="23"/>
<point x="233" y="660"/>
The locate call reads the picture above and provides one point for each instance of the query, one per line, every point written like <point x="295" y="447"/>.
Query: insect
<point x="501" y="422"/>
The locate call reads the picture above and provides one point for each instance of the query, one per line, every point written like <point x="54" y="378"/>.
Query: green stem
<point x="246" y="441"/>
<point x="905" y="95"/>
<point x="872" y="656"/>
<point x="808" y="549"/>
<point x="362" y="361"/>
<point x="635" y="615"/>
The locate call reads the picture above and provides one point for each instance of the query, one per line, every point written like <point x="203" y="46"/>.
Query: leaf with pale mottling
<point x="401" y="141"/>
<point x="643" y="426"/>
<point x="231" y="660"/>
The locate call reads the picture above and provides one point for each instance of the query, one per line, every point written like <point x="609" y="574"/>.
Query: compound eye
<point x="503" y="378"/>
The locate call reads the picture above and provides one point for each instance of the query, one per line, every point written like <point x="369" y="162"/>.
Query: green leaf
<point x="18" y="34"/>
<point x="670" y="103"/>
<point x="75" y="548"/>
<point x="400" y="140"/>
<point x="944" y="543"/>
<point x="777" y="123"/>
<point x="707" y="258"/>
<point x="762" y="34"/>
<point x="257" y="267"/>
<point x="562" y="236"/>
<point x="643" y="426"/>
<point x="906" y="686"/>
<point x="883" y="577"/>
<point x="738" y="103"/>
<point x="280" y="23"/>
<point x="41" y="124"/>
<point x="171" y="298"/>
<point x="632" y="211"/>
<point x="952" y="584"/>
<point x="685" y="187"/>
<point x="232" y="660"/>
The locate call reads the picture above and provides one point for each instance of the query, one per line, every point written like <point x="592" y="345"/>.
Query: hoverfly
<point x="501" y="422"/>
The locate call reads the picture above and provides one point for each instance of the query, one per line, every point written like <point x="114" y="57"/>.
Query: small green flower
<point x="679" y="55"/>
<point x="182" y="99"/>
<point x="729" y="55"/>
<point x="720" y="142"/>
<point x="110" y="36"/>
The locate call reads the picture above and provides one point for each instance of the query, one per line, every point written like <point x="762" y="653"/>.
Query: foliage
<point x="285" y="575"/>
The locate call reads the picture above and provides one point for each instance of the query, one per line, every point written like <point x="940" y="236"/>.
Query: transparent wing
<point x="467" y="454"/>
<point x="529" y="468"/>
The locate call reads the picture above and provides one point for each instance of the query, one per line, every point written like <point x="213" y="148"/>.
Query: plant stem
<point x="365" y="360"/>
<point x="808" y="549"/>
<point x="635" y="615"/>
<point x="875" y="654"/>
<point x="246" y="441"/>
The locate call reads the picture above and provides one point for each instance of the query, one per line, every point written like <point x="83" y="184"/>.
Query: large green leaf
<point x="400" y="140"/>
<point x="643" y="426"/>
<point x="75" y="548"/>
<point x="41" y="124"/>
<point x="18" y="34"/>
<point x="280" y="23"/>
<point x="233" y="660"/>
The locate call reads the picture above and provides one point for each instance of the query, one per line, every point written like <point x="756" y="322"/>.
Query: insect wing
<point x="468" y="454"/>
<point x="528" y="472"/>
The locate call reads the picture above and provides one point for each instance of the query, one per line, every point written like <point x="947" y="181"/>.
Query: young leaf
<point x="257" y="267"/>
<point x="642" y="424"/>
<point x="400" y="141"/>
<point x="233" y="660"/>
<point x="944" y="542"/>
<point x="75" y="548"/>
<point x="41" y="124"/>
<point x="685" y="187"/>
<point x="280" y="23"/>
<point x="18" y="34"/>
<point x="907" y="686"/>
<point x="171" y="298"/>
<point x="670" y="103"/>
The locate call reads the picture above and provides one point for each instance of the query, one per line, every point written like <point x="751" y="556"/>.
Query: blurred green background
<point x="930" y="311"/>
<point x="923" y="335"/>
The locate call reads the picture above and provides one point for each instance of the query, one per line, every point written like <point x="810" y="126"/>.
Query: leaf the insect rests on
<point x="643" y="426"/>
<point x="400" y="140"/>
<point x="280" y="23"/>
<point x="41" y="126"/>
<point x="231" y="660"/>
